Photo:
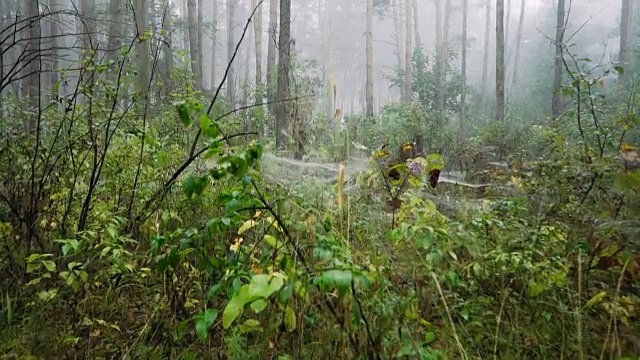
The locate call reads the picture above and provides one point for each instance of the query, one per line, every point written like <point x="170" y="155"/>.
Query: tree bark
<point x="194" y="53"/>
<point x="257" y="33"/>
<point x="409" y="52"/>
<point x="463" y="90"/>
<point x="369" y="50"/>
<point x="556" y="102"/>
<point x="168" y="49"/>
<point x="518" y="45"/>
<point x="485" y="59"/>
<point x="284" y="48"/>
<point x="231" y="4"/>
<point x="416" y="24"/>
<point x="214" y="37"/>
<point x="500" y="108"/>
<point x="444" y="58"/>
<point x="272" y="54"/>
<point x="398" y="38"/>
<point x="31" y="73"/>
<point x="200" y="58"/>
<point x="626" y="38"/>
<point x="142" y="50"/>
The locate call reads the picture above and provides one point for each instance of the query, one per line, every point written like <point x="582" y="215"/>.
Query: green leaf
<point x="273" y="242"/>
<point x="184" y="112"/>
<point x="264" y="285"/>
<point x="596" y="299"/>
<point x="340" y="278"/>
<point x="194" y="185"/>
<point x="50" y="265"/>
<point x="258" y="306"/>
<point x="619" y="69"/>
<point x="208" y="127"/>
<point x="286" y="293"/>
<point x="235" y="307"/>
<point x="204" y="322"/>
<point x="250" y="325"/>
<point x="213" y="291"/>
<point x="290" y="321"/>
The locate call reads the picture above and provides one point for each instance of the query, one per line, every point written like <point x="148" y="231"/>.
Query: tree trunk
<point x="31" y="73"/>
<point x="518" y="45"/>
<point x="556" y="104"/>
<point x="485" y="59"/>
<point x="284" y="48"/>
<point x="231" y="5"/>
<point x="194" y="58"/>
<point x="369" y="50"/>
<point x="416" y="24"/>
<point x="257" y="29"/>
<point x="200" y="58"/>
<point x="214" y="38"/>
<point x="116" y="8"/>
<point x="272" y="54"/>
<point x="142" y="52"/>
<point x="168" y="49"/>
<point x="463" y="90"/>
<point x="398" y="38"/>
<point x="500" y="110"/>
<point x="626" y="39"/>
<point x="444" y="58"/>
<point x="409" y="52"/>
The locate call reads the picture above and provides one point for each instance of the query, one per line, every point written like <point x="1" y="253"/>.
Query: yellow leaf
<point x="236" y="244"/>
<point x="290" y="319"/>
<point x="248" y="225"/>
<point x="596" y="299"/>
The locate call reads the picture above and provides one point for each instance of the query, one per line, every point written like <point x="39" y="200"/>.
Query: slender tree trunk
<point x="194" y="53"/>
<point x="500" y="108"/>
<point x="463" y="91"/>
<point x="185" y="18"/>
<point x="369" y="77"/>
<point x="272" y="54"/>
<point x="142" y="47"/>
<point x="556" y="104"/>
<point x="214" y="45"/>
<point x="116" y="8"/>
<point x="626" y="38"/>
<point x="168" y="49"/>
<point x="507" y="23"/>
<point x="444" y="58"/>
<point x="416" y="24"/>
<point x="257" y="31"/>
<point x="518" y="45"/>
<point x="200" y="58"/>
<point x="408" y="81"/>
<point x="485" y="59"/>
<point x="31" y="72"/>
<point x="284" y="48"/>
<point x="231" y="79"/>
<point x="398" y="38"/>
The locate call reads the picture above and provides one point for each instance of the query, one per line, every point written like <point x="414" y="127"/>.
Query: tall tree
<point x="272" y="52"/>
<point x="397" y="21"/>
<point x="556" y="102"/>
<point x="257" y="31"/>
<point x="626" y="38"/>
<point x="231" y="78"/>
<point x="142" y="47"/>
<point x="284" y="55"/>
<point x="485" y="58"/>
<point x="214" y="44"/>
<point x="369" y="50"/>
<point x="500" y="108"/>
<point x="463" y="90"/>
<point x="514" y="79"/>
<point x="416" y="24"/>
<point x="194" y="49"/>
<point x="31" y="72"/>
<point x="444" y="57"/>
<point x="408" y="81"/>
<point x="116" y="8"/>
<point x="200" y="57"/>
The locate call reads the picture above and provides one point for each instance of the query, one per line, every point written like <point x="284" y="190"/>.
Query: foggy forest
<point x="319" y="179"/>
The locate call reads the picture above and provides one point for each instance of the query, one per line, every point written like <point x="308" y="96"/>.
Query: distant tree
<point x="284" y="56"/>
<point x="556" y="103"/>
<point x="500" y="108"/>
<point x="626" y="36"/>
<point x="369" y="56"/>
